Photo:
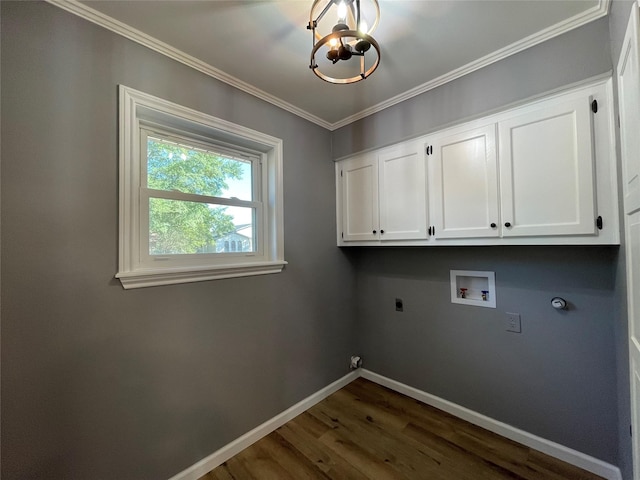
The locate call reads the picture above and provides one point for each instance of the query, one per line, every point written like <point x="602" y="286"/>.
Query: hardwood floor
<point x="366" y="431"/>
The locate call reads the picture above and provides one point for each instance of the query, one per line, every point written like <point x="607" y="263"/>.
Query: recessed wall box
<point x="473" y="288"/>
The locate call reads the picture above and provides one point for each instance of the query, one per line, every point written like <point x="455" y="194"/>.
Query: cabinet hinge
<point x="342" y="234"/>
<point x="340" y="172"/>
<point x="594" y="106"/>
<point x="429" y="149"/>
<point x="599" y="222"/>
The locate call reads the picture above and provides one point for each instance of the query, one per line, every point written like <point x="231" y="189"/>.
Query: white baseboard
<point x="586" y="462"/>
<point x="225" y="453"/>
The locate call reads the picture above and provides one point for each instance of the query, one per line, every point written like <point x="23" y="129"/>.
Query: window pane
<point x="190" y="169"/>
<point x="178" y="227"/>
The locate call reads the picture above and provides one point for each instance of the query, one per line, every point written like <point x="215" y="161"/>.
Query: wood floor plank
<point x="439" y="431"/>
<point x="368" y="432"/>
<point x="261" y="464"/>
<point x="459" y="461"/>
<point x="334" y="466"/>
<point x="291" y="459"/>
<point x="311" y="425"/>
<point x="398" y="451"/>
<point x="339" y="440"/>
<point x="438" y="421"/>
<point x="367" y="463"/>
<point x="385" y="416"/>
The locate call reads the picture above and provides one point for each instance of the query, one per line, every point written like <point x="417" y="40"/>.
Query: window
<point x="195" y="194"/>
<point x="200" y="198"/>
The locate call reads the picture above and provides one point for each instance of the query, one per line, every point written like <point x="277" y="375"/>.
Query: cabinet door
<point x="360" y="198"/>
<point x="546" y="170"/>
<point x="629" y="104"/>
<point x="464" y="184"/>
<point x="403" y="202"/>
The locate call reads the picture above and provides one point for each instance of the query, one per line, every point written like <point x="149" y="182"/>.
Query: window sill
<point x="153" y="278"/>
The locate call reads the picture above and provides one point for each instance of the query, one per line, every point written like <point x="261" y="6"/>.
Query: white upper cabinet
<point x="464" y="183"/>
<point x="543" y="173"/>
<point x="384" y="195"/>
<point x="547" y="170"/>
<point x="359" y="182"/>
<point x="403" y="204"/>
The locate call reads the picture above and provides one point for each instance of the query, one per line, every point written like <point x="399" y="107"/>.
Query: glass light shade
<point x="339" y="42"/>
<point x="369" y="9"/>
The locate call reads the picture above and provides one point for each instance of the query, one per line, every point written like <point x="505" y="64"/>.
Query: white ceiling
<point x="264" y="46"/>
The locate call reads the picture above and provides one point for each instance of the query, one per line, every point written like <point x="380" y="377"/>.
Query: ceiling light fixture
<point x="344" y="38"/>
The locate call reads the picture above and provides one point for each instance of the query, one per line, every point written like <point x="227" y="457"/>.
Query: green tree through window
<point x="184" y="227"/>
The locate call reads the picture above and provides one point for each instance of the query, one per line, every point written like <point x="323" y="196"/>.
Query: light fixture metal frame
<point x="339" y="36"/>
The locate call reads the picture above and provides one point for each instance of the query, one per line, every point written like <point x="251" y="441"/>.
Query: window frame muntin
<point x="136" y="106"/>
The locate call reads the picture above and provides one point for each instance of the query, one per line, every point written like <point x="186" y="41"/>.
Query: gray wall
<point x="574" y="56"/>
<point x="557" y="379"/>
<point x="102" y="383"/>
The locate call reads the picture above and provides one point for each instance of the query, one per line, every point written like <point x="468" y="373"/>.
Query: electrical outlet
<point x="513" y="323"/>
<point x="399" y="305"/>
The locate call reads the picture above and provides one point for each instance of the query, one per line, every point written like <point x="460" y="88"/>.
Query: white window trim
<point x="137" y="107"/>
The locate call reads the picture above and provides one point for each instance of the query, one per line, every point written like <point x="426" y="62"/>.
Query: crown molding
<point x="99" y="18"/>
<point x="576" y="21"/>
<point x="110" y="23"/>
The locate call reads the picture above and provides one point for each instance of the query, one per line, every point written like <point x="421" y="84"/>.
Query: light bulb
<point x="333" y="42"/>
<point x="342" y="11"/>
<point x="363" y="27"/>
